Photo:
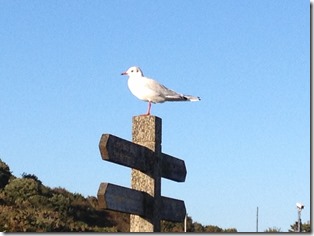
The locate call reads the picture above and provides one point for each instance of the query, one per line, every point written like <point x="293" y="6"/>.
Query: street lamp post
<point x="300" y="207"/>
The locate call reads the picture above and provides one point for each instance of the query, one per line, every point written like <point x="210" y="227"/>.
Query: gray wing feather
<point x="167" y="94"/>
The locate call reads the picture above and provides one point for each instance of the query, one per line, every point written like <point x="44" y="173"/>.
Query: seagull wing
<point x="162" y="93"/>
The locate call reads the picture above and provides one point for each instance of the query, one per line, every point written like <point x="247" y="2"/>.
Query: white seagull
<point x="151" y="91"/>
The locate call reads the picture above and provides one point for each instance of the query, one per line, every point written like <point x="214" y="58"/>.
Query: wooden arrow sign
<point x="126" y="153"/>
<point x="117" y="198"/>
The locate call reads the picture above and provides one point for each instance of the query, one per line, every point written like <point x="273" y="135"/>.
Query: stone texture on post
<point x="146" y="131"/>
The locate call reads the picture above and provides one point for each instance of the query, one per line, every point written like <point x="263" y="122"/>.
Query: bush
<point x="21" y="189"/>
<point x="5" y="174"/>
<point x="30" y="176"/>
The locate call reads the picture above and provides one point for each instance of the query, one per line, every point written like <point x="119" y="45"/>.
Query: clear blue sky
<point x="246" y="144"/>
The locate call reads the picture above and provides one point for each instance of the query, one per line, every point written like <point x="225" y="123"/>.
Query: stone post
<point x="146" y="131"/>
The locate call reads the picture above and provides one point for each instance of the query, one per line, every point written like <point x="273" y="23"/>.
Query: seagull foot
<point x="147" y="114"/>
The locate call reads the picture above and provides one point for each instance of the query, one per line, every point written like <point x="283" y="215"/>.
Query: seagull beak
<point x="124" y="73"/>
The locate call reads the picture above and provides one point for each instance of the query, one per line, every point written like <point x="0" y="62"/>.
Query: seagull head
<point x="133" y="71"/>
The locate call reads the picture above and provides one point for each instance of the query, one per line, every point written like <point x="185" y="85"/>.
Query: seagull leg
<point x="148" y="109"/>
<point x="149" y="106"/>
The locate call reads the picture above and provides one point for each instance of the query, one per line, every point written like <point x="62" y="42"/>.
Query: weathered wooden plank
<point x="173" y="168"/>
<point x="126" y="153"/>
<point x="172" y="209"/>
<point x="122" y="199"/>
<point x="118" y="198"/>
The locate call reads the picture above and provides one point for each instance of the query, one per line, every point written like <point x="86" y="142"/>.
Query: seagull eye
<point x="136" y="70"/>
<point x="131" y="70"/>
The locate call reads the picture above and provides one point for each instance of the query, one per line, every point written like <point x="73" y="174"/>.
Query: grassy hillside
<point x="26" y="205"/>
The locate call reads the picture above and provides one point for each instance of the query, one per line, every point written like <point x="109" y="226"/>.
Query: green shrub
<point x="5" y="174"/>
<point x="21" y="189"/>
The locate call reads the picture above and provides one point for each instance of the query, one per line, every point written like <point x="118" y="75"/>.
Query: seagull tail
<point x="191" y="98"/>
<point x="182" y="97"/>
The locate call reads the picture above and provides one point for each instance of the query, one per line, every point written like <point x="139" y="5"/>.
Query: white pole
<point x="185" y="219"/>
<point x="257" y="219"/>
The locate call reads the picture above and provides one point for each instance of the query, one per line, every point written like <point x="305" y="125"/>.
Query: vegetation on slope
<point x="26" y="205"/>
